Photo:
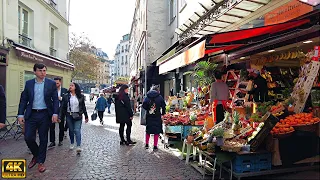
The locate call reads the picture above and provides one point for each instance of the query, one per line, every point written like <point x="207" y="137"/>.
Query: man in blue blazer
<point x="38" y="108"/>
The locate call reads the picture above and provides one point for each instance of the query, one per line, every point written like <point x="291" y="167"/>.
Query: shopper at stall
<point x="101" y="106"/>
<point x="155" y="106"/>
<point x="124" y="114"/>
<point x="219" y="96"/>
<point x="260" y="87"/>
<point x="73" y="108"/>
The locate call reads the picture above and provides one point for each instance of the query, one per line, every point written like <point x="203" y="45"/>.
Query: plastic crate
<point x="174" y="129"/>
<point x="245" y="167"/>
<point x="263" y="158"/>
<point x="244" y="159"/>
<point x="186" y="130"/>
<point x="263" y="166"/>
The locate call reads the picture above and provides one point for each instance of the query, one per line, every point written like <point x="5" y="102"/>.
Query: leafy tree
<point x="81" y="55"/>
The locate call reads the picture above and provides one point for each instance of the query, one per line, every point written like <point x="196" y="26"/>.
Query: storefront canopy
<point x="223" y="42"/>
<point x="210" y="16"/>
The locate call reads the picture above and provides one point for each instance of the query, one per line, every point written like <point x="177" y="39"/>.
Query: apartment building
<point x="148" y="39"/>
<point x="121" y="59"/>
<point x="32" y="31"/>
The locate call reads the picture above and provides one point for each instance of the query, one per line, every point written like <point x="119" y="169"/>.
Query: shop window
<point x="28" y="76"/>
<point x="23" y="26"/>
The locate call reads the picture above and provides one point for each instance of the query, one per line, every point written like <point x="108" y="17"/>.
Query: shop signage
<point x="38" y="58"/>
<point x="289" y="11"/>
<point x="191" y="55"/>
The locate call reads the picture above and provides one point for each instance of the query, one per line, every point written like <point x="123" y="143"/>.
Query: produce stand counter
<point x="240" y="164"/>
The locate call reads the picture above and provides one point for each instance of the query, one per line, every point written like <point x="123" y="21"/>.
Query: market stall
<point x="267" y="129"/>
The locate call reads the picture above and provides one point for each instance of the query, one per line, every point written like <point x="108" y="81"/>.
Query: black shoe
<point x="123" y="142"/>
<point x="52" y="145"/>
<point x="147" y="146"/>
<point x="155" y="148"/>
<point x="60" y="143"/>
<point x="131" y="143"/>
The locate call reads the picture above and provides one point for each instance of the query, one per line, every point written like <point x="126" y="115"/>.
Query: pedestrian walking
<point x="61" y="92"/>
<point x="3" y="106"/>
<point x="91" y="97"/>
<point x="73" y="108"/>
<point x="38" y="108"/>
<point x="124" y="114"/>
<point x="101" y="106"/>
<point x="155" y="106"/>
<point x="109" y="101"/>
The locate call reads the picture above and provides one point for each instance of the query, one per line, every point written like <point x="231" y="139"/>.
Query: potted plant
<point x="218" y="133"/>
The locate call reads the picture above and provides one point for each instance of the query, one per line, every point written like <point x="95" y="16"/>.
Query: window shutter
<point x="21" y="80"/>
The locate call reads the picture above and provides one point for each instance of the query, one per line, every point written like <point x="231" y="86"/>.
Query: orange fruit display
<point x="287" y="125"/>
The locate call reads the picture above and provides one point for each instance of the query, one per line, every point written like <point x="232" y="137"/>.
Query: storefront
<point x="20" y="69"/>
<point x="256" y="136"/>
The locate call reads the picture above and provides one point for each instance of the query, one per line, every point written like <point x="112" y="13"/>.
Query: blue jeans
<point x="74" y="129"/>
<point x="108" y="106"/>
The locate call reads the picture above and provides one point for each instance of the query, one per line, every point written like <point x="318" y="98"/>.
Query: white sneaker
<point x="79" y="149"/>
<point x="71" y="146"/>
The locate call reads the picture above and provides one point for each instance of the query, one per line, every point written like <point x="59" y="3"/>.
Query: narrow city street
<point x="103" y="157"/>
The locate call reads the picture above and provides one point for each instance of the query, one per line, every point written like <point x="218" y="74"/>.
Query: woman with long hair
<point x="73" y="107"/>
<point x="124" y="114"/>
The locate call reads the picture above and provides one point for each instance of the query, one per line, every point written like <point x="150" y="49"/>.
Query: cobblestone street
<point x="103" y="157"/>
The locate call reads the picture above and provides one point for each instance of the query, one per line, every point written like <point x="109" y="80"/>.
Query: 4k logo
<point x="13" y="168"/>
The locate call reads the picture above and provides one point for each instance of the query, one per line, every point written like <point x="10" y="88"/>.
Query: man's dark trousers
<point x="39" y="120"/>
<point x="53" y="133"/>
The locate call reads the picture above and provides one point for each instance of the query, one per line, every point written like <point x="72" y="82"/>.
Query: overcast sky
<point x="104" y="21"/>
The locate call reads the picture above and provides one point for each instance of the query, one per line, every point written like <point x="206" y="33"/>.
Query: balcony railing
<point x="23" y="39"/>
<point x="53" y="52"/>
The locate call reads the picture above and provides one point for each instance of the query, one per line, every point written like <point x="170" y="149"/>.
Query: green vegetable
<point x="218" y="132"/>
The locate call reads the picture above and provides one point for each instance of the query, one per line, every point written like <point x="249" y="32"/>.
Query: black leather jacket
<point x="64" y="106"/>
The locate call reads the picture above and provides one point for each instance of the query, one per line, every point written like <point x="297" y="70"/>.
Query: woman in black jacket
<point x="73" y="107"/>
<point x="124" y="114"/>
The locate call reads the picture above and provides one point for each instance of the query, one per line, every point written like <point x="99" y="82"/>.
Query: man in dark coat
<point x="61" y="92"/>
<point x="155" y="106"/>
<point x="2" y="108"/>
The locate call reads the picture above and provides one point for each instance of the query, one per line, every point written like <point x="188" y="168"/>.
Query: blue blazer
<point x="50" y="98"/>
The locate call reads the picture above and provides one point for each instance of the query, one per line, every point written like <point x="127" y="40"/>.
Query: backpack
<point x="154" y="110"/>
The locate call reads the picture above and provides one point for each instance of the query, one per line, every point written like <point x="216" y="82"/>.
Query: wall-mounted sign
<point x="288" y="11"/>
<point x="189" y="56"/>
<point x="38" y="58"/>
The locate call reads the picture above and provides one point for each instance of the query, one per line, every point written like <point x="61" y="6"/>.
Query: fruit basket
<point x="283" y="135"/>
<point x="311" y="127"/>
